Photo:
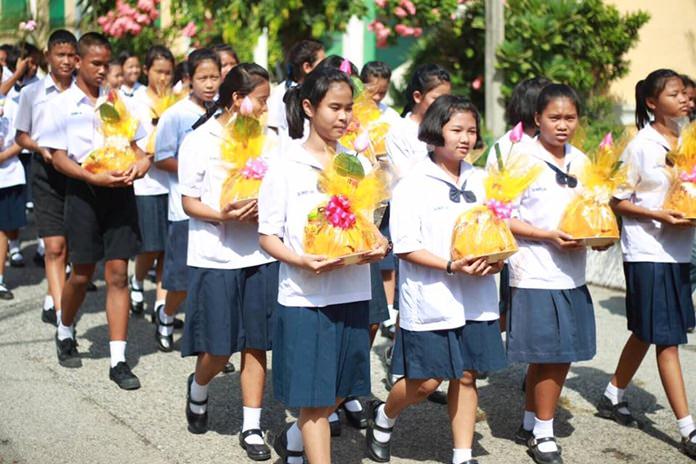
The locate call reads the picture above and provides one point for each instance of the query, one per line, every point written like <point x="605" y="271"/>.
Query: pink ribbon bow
<point x="500" y="209"/>
<point x="254" y="169"/>
<point x="688" y="176"/>
<point x="338" y="212"/>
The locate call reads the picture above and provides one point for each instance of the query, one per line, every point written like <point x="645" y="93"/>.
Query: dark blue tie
<point x="456" y="194"/>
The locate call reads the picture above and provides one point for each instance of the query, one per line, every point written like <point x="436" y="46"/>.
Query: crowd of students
<point x="247" y="286"/>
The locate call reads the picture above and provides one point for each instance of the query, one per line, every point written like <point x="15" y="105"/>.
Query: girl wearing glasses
<point x="551" y="320"/>
<point x="449" y="309"/>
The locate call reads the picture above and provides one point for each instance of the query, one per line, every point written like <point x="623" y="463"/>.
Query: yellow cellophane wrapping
<point x="682" y="193"/>
<point x="479" y="232"/>
<point x="119" y="128"/>
<point x="364" y="195"/>
<point x="589" y="214"/>
<point x="160" y="104"/>
<point x="244" y="141"/>
<point x="366" y="117"/>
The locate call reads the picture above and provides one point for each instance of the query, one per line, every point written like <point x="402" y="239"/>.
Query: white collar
<point x="430" y="169"/>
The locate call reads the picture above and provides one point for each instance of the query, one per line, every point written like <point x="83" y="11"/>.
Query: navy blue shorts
<point x="659" y="309"/>
<point x="13" y="214"/>
<point x="49" y="188"/>
<point x="175" y="276"/>
<point x="551" y="326"/>
<point x="320" y="354"/>
<point x="152" y="219"/>
<point x="229" y="310"/>
<point x="447" y="354"/>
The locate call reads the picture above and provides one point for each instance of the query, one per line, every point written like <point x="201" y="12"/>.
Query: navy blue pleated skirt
<point x="229" y="310"/>
<point x="379" y="310"/>
<point x="659" y="309"/>
<point x="551" y="326"/>
<point x="175" y="275"/>
<point x="389" y="262"/>
<point x="13" y="214"/>
<point x="504" y="292"/>
<point x="320" y="354"/>
<point x="447" y="354"/>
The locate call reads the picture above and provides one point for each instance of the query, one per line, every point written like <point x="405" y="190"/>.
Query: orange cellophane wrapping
<point x="244" y="141"/>
<point x="160" y="103"/>
<point x="479" y="232"/>
<point x="589" y="214"/>
<point x="682" y="193"/>
<point x="119" y="128"/>
<point x="366" y="117"/>
<point x="364" y="193"/>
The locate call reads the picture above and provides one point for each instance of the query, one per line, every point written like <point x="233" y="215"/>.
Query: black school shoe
<point x="280" y="446"/>
<point x="687" y="446"/>
<point x="522" y="436"/>
<point x="376" y="450"/>
<point x="255" y="452"/>
<point x="470" y="461"/>
<point x="335" y="426"/>
<point x="357" y="419"/>
<point x="165" y="343"/>
<point x="122" y="375"/>
<point x="541" y="457"/>
<point x="67" y="353"/>
<point x="607" y="410"/>
<point x="197" y="423"/>
<point x="5" y="293"/>
<point x="49" y="316"/>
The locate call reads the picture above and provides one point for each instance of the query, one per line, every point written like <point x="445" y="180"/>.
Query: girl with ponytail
<point x="656" y="247"/>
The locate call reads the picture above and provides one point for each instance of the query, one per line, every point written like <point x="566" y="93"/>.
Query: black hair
<point x="27" y="50"/>
<point x="425" y="78"/>
<point x="115" y="62"/>
<point x="158" y="52"/>
<point x="651" y="87"/>
<point x="61" y="36"/>
<point x="224" y="48"/>
<point x="554" y="91"/>
<point x="304" y="51"/>
<point x="196" y="57"/>
<point x="12" y="56"/>
<point x="523" y="102"/>
<point x="688" y="81"/>
<point x="181" y="71"/>
<point x="241" y="79"/>
<point x="439" y="114"/>
<point x="335" y="61"/>
<point x="314" y="89"/>
<point x="92" y="39"/>
<point x="126" y="55"/>
<point x="378" y="69"/>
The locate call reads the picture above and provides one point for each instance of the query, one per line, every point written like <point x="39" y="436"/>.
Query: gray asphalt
<point x="49" y="414"/>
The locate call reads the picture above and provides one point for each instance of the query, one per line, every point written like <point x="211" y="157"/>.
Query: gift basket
<point x="163" y="101"/>
<point x="682" y="193"/>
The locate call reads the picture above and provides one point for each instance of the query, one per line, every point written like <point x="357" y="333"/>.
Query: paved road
<point x="54" y="415"/>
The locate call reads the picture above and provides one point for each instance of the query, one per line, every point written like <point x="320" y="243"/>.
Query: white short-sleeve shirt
<point x="75" y="125"/>
<point x="505" y="144"/>
<point x="645" y="240"/>
<point x="156" y="181"/>
<point x="11" y="170"/>
<point x="288" y="194"/>
<point x="33" y="113"/>
<point x="172" y="128"/>
<point x="388" y="114"/>
<point x="423" y="218"/>
<point x="228" y="245"/>
<point x="403" y="147"/>
<point x="538" y="264"/>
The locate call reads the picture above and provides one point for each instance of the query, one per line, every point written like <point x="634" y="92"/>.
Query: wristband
<point x="449" y="268"/>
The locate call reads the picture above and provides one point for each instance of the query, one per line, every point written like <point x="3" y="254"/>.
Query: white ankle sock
<point x="14" y="246"/>
<point x="544" y="429"/>
<point x="385" y="421"/>
<point x="528" y="421"/>
<point x="198" y="393"/>
<point x="393" y="313"/>
<point x="48" y="302"/>
<point x="460" y="455"/>
<point x="252" y="420"/>
<point x="333" y="417"/>
<point x="686" y="426"/>
<point x="615" y="395"/>
<point x="41" y="247"/>
<point x="165" y="329"/>
<point x="353" y="405"/>
<point x="294" y="437"/>
<point x="117" y="349"/>
<point x="136" y="284"/>
<point x="65" y="331"/>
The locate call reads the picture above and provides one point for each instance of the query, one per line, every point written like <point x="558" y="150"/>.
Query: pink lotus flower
<point x="345" y="66"/>
<point x="362" y="142"/>
<point x="29" y="26"/>
<point x="607" y="142"/>
<point x="477" y="83"/>
<point x="247" y="107"/>
<point x="517" y="133"/>
<point x="189" y="30"/>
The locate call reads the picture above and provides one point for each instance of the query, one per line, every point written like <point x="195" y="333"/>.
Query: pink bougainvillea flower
<point x="417" y="32"/>
<point x="381" y="3"/>
<point x="189" y="30"/>
<point x="409" y="6"/>
<point x="516" y="133"/>
<point x="400" y="12"/>
<point x="477" y="83"/>
<point x="403" y="30"/>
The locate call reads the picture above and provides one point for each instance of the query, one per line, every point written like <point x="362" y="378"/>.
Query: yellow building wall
<point x="668" y="40"/>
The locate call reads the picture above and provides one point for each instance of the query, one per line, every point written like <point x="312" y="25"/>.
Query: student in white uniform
<point x="130" y="63"/>
<point x="551" y="317"/>
<point x="101" y="218"/>
<point x="376" y="76"/>
<point x="151" y="192"/>
<point x="656" y="248"/>
<point x="233" y="286"/>
<point x="428" y="82"/>
<point x="228" y="58"/>
<point x="32" y="123"/>
<point x="321" y="343"/>
<point x="114" y="78"/>
<point x="449" y="309"/>
<point x="12" y="212"/>
<point x="303" y="57"/>
<point x="172" y="128"/>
